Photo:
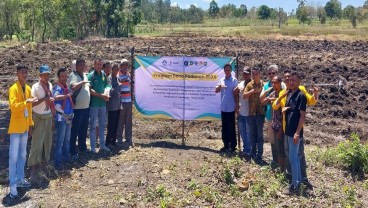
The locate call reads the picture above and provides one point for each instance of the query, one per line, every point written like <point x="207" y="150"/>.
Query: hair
<point x="105" y="64"/>
<point x="287" y="71"/>
<point x="97" y="59"/>
<point x="273" y="67"/>
<point x="21" y="66"/>
<point x="61" y="70"/>
<point x="115" y="66"/>
<point x="255" y="69"/>
<point x="298" y="74"/>
<point x="79" y="62"/>
<point x="229" y="65"/>
<point x="278" y="78"/>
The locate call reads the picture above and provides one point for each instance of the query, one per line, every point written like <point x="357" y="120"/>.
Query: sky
<point x="287" y="5"/>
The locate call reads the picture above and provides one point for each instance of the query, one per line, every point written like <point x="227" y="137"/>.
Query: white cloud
<point x="207" y="1"/>
<point x="174" y="4"/>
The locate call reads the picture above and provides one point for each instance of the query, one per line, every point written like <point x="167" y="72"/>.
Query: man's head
<point x="287" y="78"/>
<point x="115" y="70"/>
<point x="107" y="68"/>
<point x="124" y="65"/>
<point x="256" y="75"/>
<point x="227" y="69"/>
<point x="246" y="73"/>
<point x="272" y="71"/>
<point x="97" y="64"/>
<point x="44" y="73"/>
<point x="80" y="65"/>
<point x="62" y="75"/>
<point x="295" y="78"/>
<point x="22" y="73"/>
<point x="276" y="83"/>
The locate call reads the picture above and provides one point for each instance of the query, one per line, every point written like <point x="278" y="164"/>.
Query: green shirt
<point x="98" y="83"/>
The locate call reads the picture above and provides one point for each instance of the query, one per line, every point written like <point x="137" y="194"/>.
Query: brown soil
<point x="125" y="177"/>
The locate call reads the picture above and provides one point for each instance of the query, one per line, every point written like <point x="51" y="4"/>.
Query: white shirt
<point x="84" y="96"/>
<point x="243" y="103"/>
<point x="38" y="92"/>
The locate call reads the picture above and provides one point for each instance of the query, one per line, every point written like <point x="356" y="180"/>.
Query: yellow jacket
<point x="17" y="103"/>
<point x="310" y="102"/>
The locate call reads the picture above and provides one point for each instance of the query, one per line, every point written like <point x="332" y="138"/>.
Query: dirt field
<point x="159" y="171"/>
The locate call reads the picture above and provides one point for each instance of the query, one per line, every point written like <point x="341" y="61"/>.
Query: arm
<point x="218" y="89"/>
<point x="39" y="101"/>
<point x="300" y="126"/>
<point x="15" y="104"/>
<point x="96" y="94"/>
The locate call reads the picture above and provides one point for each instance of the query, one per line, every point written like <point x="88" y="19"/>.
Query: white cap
<point x="123" y="61"/>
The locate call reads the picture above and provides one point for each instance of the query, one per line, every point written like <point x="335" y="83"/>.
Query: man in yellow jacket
<point x="280" y="103"/>
<point x="20" y="128"/>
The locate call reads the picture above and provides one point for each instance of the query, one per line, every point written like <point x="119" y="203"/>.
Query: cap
<point x="44" y="69"/>
<point x="246" y="70"/>
<point x="123" y="61"/>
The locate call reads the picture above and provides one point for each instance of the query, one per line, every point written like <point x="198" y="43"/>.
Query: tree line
<point x="41" y="20"/>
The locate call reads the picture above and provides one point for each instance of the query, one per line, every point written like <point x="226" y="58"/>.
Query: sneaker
<point x="13" y="191"/>
<point x="307" y="184"/>
<point x="104" y="148"/>
<point x="93" y="150"/>
<point x="24" y="184"/>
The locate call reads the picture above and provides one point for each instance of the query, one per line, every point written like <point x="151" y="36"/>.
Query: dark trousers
<point x="301" y="155"/>
<point x="112" y="126"/>
<point x="228" y="130"/>
<point x="79" y="129"/>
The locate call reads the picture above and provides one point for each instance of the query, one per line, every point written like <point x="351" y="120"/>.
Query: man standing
<point x="43" y="111"/>
<point x="125" y="118"/>
<point x="64" y="117"/>
<point x="296" y="105"/>
<point x="244" y="113"/>
<point x="98" y="82"/>
<point x="113" y="107"/>
<point x="79" y="84"/>
<point x="227" y="87"/>
<point x="256" y="115"/>
<point x="20" y="128"/>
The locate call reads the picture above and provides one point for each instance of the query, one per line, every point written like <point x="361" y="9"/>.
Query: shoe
<point x="308" y="184"/>
<point x="24" y="184"/>
<point x="104" y="148"/>
<point x="93" y="150"/>
<point x="13" y="191"/>
<point x="74" y="157"/>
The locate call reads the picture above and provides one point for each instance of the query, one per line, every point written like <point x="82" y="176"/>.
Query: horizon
<point x="287" y="5"/>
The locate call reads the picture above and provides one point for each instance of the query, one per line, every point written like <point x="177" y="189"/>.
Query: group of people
<point x="78" y="100"/>
<point x="281" y="103"/>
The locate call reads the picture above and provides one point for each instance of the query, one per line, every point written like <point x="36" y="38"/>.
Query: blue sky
<point x="287" y="5"/>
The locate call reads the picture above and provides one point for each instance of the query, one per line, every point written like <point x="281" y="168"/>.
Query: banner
<point x="181" y="88"/>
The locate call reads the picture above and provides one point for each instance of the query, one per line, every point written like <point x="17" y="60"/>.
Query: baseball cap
<point x="44" y="69"/>
<point x="123" y="61"/>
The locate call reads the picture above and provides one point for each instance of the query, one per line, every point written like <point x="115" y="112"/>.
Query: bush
<point x="353" y="155"/>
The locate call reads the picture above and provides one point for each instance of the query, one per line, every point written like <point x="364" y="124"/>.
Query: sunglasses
<point x="269" y="73"/>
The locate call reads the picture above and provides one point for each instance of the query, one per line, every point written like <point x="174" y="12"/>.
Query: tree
<point x="196" y="15"/>
<point x="282" y="17"/>
<point x="365" y="5"/>
<point x="302" y="13"/>
<point x="213" y="11"/>
<point x="333" y="9"/>
<point x="264" y="12"/>
<point x="349" y="13"/>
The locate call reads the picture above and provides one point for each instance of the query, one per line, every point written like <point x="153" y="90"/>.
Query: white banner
<point x="181" y="88"/>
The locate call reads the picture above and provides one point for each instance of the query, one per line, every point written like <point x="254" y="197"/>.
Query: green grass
<point x="341" y="30"/>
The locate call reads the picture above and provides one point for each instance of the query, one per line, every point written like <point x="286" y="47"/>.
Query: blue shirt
<point x="268" y="107"/>
<point x="227" y="96"/>
<point x="68" y="109"/>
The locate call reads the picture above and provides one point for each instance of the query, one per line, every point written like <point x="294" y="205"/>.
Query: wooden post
<point x="237" y="100"/>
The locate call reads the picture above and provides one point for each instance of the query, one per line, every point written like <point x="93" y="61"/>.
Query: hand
<point x="271" y="99"/>
<point x="257" y="90"/>
<point x="50" y="99"/>
<point x="236" y="90"/>
<point x="31" y="100"/>
<point x="283" y="95"/>
<point x="85" y="82"/>
<point x="315" y="90"/>
<point x="284" y="109"/>
<point x="105" y="97"/>
<point x="295" y="138"/>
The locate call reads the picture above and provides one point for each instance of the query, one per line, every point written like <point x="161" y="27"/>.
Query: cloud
<point x="207" y="1"/>
<point x="174" y="4"/>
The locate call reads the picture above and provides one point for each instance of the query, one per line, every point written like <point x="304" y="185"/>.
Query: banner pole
<point x="132" y="73"/>
<point x="237" y="100"/>
<point x="183" y="124"/>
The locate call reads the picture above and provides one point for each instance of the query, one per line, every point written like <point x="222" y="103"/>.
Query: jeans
<point x="243" y="131"/>
<point x="79" y="128"/>
<point x="97" y="114"/>
<point x="125" y="123"/>
<point x="17" y="157"/>
<point x="62" y="148"/>
<point x="228" y="130"/>
<point x="301" y="155"/>
<point x="112" y="126"/>
<point x="294" y="161"/>
<point x="255" y="133"/>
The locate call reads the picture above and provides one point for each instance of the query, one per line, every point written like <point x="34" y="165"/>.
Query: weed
<point x="203" y="171"/>
<point x="159" y="193"/>
<point x="236" y="164"/>
<point x="234" y="190"/>
<point x="192" y="185"/>
<point x="365" y="185"/>
<point x="350" y="196"/>
<point x="228" y="176"/>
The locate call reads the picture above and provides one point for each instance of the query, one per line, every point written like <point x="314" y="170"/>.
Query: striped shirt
<point x="125" y="93"/>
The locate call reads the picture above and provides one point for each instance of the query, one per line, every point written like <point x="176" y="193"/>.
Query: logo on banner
<point x="205" y="63"/>
<point x="185" y="63"/>
<point x="164" y="62"/>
